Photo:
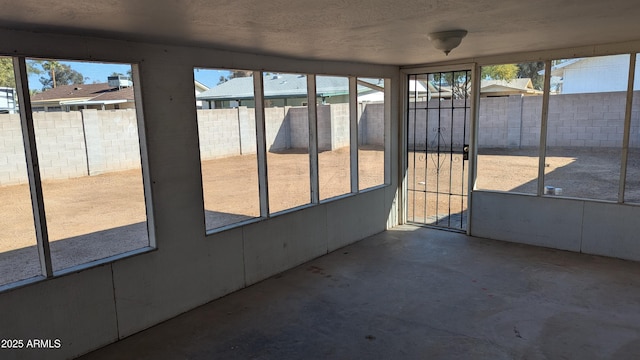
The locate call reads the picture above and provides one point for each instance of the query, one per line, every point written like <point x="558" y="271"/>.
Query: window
<point x="90" y="162"/>
<point x="586" y="126"/>
<point x="372" y="120"/>
<point x="509" y="127"/>
<point x="287" y="141"/>
<point x="228" y="151"/>
<point x="334" y="158"/>
<point x="18" y="253"/>
<point x="232" y="162"/>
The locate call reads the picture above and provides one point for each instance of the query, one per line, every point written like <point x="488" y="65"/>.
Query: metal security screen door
<point x="439" y="109"/>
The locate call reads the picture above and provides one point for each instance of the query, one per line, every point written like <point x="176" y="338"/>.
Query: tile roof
<point x="93" y="92"/>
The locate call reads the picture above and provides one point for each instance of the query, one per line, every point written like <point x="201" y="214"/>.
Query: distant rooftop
<point x="283" y="85"/>
<point x="93" y="92"/>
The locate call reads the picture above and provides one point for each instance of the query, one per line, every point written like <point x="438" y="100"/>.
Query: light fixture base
<point x="447" y="40"/>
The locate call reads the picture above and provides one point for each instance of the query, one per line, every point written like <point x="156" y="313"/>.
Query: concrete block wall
<point x="590" y="120"/>
<point x="575" y="120"/>
<point x="112" y="144"/>
<point x="13" y="166"/>
<point x="219" y="133"/>
<point x="247" y="124"/>
<point x="494" y="122"/>
<point x="298" y="118"/>
<point x="112" y="140"/>
<point x="340" y="126"/>
<point x="531" y="115"/>
<point x="514" y="121"/>
<point x="71" y="144"/>
<point x="277" y="128"/>
<point x="634" y="139"/>
<point x="442" y="127"/>
<point x="371" y="124"/>
<point x="333" y="126"/>
<point x="325" y="130"/>
<point x="61" y="145"/>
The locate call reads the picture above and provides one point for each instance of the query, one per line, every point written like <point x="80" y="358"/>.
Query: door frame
<point x="473" y="131"/>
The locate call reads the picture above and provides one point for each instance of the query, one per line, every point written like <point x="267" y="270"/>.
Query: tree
<point x="7" y="75"/>
<point x="531" y="70"/>
<point x="59" y="74"/>
<point x="235" y="74"/>
<point x="239" y="73"/>
<point x="460" y="82"/>
<point x="500" y="72"/>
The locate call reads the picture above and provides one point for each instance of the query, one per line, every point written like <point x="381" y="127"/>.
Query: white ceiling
<point x="373" y="31"/>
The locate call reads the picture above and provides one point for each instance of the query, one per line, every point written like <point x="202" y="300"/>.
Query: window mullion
<point x="627" y="128"/>
<point x="353" y="119"/>
<point x="313" y="138"/>
<point x="386" y="141"/>
<point x="33" y="170"/>
<point x="544" y="126"/>
<point x="258" y="88"/>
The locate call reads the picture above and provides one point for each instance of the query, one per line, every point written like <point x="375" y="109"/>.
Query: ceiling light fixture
<point x="447" y="40"/>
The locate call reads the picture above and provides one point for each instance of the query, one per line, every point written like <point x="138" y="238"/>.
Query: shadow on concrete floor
<point x="415" y="293"/>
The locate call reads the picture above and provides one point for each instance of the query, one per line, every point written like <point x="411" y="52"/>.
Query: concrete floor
<point x="415" y="293"/>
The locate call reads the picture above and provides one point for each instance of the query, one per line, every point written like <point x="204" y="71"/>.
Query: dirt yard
<point x="580" y="173"/>
<point x="93" y="217"/>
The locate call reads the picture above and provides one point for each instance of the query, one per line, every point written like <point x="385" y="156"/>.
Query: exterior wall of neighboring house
<point x="120" y="106"/>
<point x="272" y="102"/>
<point x="56" y="107"/>
<point x="598" y="74"/>
<point x="338" y="99"/>
<point x="8" y="100"/>
<point x="279" y="102"/>
<point x="199" y="89"/>
<point x="46" y="106"/>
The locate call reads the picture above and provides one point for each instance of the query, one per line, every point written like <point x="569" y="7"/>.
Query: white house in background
<point x="8" y="103"/>
<point x="200" y="88"/>
<point x="593" y="74"/>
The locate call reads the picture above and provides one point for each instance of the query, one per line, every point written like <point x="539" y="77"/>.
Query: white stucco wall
<point x="91" y="307"/>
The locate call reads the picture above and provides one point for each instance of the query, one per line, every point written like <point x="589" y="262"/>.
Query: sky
<point x="98" y="72"/>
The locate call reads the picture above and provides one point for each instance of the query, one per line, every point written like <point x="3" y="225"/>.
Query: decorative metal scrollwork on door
<point x="438" y="147"/>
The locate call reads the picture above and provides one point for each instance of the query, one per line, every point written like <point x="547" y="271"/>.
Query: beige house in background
<point x="84" y="96"/>
<point x="494" y="88"/>
<point x="102" y="96"/>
